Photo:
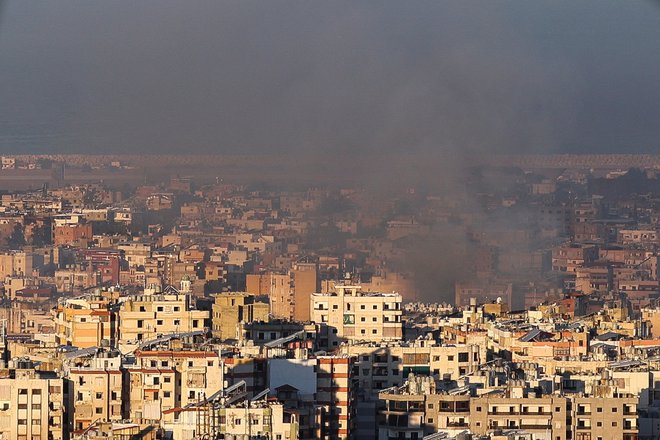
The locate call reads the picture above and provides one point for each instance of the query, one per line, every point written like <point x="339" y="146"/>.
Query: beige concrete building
<point x="16" y="264"/>
<point x="151" y="392"/>
<point x="197" y="374"/>
<point x="305" y="282"/>
<point x="145" y="317"/>
<point x="380" y="367"/>
<point x="278" y="288"/>
<point x="250" y="420"/>
<point x="32" y="404"/>
<point x="76" y="279"/>
<point x="417" y="407"/>
<point x="233" y="308"/>
<point x="357" y="315"/>
<point x="135" y="253"/>
<point x="96" y="391"/>
<point x="84" y="321"/>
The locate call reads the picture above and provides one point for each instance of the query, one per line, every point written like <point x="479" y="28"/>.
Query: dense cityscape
<point x="524" y="304"/>
<point x="329" y="220"/>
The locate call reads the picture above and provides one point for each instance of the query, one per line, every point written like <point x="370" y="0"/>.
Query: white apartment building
<point x="354" y="315"/>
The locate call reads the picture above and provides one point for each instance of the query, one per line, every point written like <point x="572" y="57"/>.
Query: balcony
<point x="534" y="426"/>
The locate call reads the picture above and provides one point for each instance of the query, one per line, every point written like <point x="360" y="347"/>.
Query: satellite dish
<point x="499" y="300"/>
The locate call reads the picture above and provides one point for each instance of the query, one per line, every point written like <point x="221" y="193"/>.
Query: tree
<point x="17" y="238"/>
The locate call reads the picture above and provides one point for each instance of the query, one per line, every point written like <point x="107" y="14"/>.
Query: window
<point x="156" y="381"/>
<point x="159" y="322"/>
<point x="478" y="409"/>
<point x="375" y="307"/>
<point x="335" y="307"/>
<point x="450" y="358"/>
<point x="463" y="357"/>
<point x="557" y="409"/>
<point x="614" y="409"/>
<point x="98" y="410"/>
<point x="140" y="323"/>
<point x="362" y="307"/>
<point x="177" y="322"/>
<point x="430" y="406"/>
<point x="613" y="423"/>
<point x="374" y="331"/>
<point x="99" y="395"/>
<point x="159" y="308"/>
<point x="167" y="379"/>
<point x="374" y="319"/>
<point x="164" y="364"/>
<point x="430" y="420"/>
<point x="209" y="364"/>
<point x="167" y="394"/>
<point x="600" y="410"/>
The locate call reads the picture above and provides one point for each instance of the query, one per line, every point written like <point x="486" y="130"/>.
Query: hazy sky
<point x="336" y="76"/>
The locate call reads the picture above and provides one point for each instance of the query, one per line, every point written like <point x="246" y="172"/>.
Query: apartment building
<point x="357" y="315"/>
<point x="569" y="257"/>
<point x="149" y="393"/>
<point x="230" y="309"/>
<point x="77" y="278"/>
<point x="85" y="321"/>
<point x="16" y="264"/>
<point x="305" y="278"/>
<point x="197" y="374"/>
<point x="32" y="404"/>
<point x="96" y="391"/>
<point x="136" y="253"/>
<point x="278" y="288"/>
<point x="335" y="397"/>
<point x="237" y="419"/>
<point x="417" y="407"/>
<point x="403" y="414"/>
<point x="145" y="317"/>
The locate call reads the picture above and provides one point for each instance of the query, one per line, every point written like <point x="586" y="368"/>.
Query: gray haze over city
<point x="343" y="76"/>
